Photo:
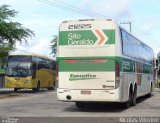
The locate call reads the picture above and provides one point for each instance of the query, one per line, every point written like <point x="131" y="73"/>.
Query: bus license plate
<point x="86" y="92"/>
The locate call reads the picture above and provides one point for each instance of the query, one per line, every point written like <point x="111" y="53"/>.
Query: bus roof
<point x="30" y="54"/>
<point x="79" y="20"/>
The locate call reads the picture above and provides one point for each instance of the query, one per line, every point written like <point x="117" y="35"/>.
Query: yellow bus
<point x="30" y="71"/>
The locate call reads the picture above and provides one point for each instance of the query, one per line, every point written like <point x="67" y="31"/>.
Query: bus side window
<point x="34" y="70"/>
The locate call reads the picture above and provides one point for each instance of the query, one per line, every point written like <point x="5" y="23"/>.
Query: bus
<point x="99" y="61"/>
<point x="30" y="71"/>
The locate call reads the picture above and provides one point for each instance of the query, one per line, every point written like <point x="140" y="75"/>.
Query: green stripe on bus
<point x="126" y="65"/>
<point x="86" y="66"/>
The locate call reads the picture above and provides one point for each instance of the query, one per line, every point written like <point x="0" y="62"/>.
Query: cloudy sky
<point x="44" y="17"/>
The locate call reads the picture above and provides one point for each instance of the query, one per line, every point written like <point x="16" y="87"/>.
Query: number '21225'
<point x="79" y="26"/>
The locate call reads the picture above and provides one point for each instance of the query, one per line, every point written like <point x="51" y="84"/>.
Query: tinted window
<point x="19" y="66"/>
<point x="43" y="66"/>
<point x="132" y="47"/>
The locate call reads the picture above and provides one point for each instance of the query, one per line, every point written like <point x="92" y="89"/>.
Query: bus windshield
<point x="19" y="66"/>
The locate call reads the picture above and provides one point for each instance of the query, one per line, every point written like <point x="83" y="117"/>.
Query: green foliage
<point x="54" y="45"/>
<point x="5" y="13"/>
<point x="2" y="71"/>
<point x="4" y="52"/>
<point x="10" y="32"/>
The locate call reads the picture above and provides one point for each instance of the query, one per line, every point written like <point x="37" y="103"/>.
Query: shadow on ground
<point x="103" y="107"/>
<point x="11" y="93"/>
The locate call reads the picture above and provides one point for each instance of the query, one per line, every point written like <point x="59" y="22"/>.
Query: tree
<point x="4" y="52"/>
<point x="10" y="32"/>
<point x="54" y="45"/>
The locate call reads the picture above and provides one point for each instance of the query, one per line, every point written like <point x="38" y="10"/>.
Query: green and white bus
<point x="98" y="61"/>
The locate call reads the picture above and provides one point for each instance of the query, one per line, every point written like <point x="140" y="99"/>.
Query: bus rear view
<point x="88" y="70"/>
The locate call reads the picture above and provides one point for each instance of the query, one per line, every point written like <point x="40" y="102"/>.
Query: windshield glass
<point x="19" y="66"/>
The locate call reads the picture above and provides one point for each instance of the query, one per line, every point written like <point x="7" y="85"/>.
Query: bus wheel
<point x="128" y="103"/>
<point x="37" y="88"/>
<point x="50" y="88"/>
<point x="15" y="89"/>
<point x="134" y="97"/>
<point x="79" y="105"/>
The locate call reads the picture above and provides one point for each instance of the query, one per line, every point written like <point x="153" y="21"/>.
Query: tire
<point x="50" y="88"/>
<point x="128" y="103"/>
<point x="37" y="88"/>
<point x="79" y="104"/>
<point x="134" y="97"/>
<point x="15" y="89"/>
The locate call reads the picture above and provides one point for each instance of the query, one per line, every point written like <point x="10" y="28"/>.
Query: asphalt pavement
<point x="6" y="92"/>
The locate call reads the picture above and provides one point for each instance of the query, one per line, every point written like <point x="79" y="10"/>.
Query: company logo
<point x="74" y="77"/>
<point x="126" y="65"/>
<point x="75" y="38"/>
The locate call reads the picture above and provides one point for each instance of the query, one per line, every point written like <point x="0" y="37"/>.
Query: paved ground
<point x="5" y="92"/>
<point x="44" y="104"/>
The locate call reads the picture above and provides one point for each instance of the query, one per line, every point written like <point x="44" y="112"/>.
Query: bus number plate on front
<point x="86" y="92"/>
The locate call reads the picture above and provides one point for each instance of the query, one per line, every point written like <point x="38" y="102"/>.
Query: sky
<point x="44" y="17"/>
